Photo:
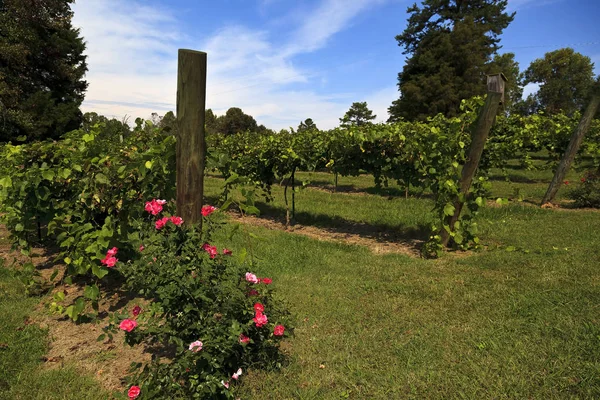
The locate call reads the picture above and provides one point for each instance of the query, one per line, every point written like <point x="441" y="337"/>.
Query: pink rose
<point x="211" y="250"/>
<point x="260" y="320"/>
<point x="142" y="247"/>
<point x="109" y="261"/>
<point x="244" y="339"/>
<point x="161" y="223"/>
<point x="226" y="384"/>
<point x="259" y="308"/>
<point x="207" y="210"/>
<point x="278" y="331"/>
<point x="127" y="325"/>
<point x="112" y="252"/>
<point x="266" y="281"/>
<point x="227" y="252"/>
<point x="177" y="220"/>
<point x="237" y="374"/>
<point x="154" y="206"/>
<point x="136" y="311"/>
<point x="196" y="346"/>
<point x="134" y="392"/>
<point x="251" y="278"/>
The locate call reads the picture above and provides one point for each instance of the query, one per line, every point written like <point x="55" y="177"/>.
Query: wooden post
<point x="572" y="148"/>
<point x="191" y="145"/>
<point x="479" y="135"/>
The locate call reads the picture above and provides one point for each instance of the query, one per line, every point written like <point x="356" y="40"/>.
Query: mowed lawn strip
<point x="490" y="324"/>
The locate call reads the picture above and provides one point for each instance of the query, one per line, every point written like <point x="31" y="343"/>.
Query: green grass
<point x="22" y="347"/>
<point x="489" y="324"/>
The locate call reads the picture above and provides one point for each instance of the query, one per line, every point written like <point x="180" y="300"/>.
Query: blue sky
<point x="283" y="61"/>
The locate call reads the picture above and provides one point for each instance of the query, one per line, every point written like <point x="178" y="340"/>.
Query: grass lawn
<point x="489" y="324"/>
<point x="23" y="345"/>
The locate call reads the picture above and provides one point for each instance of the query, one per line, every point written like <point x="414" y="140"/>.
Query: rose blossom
<point x="109" y="261"/>
<point x="244" y="339"/>
<point x="142" y="247"/>
<point x="566" y="182"/>
<point x="211" y="250"/>
<point x="196" y="346"/>
<point x="134" y="392"/>
<point x="136" y="311"/>
<point x="278" y="331"/>
<point x="161" y="223"/>
<point x="266" y="281"/>
<point x="154" y="206"/>
<point x="237" y="374"/>
<point x="112" y="252"/>
<point x="259" y="308"/>
<point x="260" y="320"/>
<point x="253" y="292"/>
<point x="177" y="220"/>
<point x="227" y="252"/>
<point x="251" y="278"/>
<point x="207" y="210"/>
<point x="226" y="384"/>
<point x="127" y="325"/>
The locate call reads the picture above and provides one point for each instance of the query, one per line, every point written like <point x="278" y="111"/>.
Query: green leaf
<point x="449" y="209"/>
<point x="67" y="260"/>
<point x="65" y="173"/>
<point x="99" y="271"/>
<point x="6" y="182"/>
<point x="48" y="174"/>
<point x="148" y="164"/>
<point x="479" y="201"/>
<point x="19" y="228"/>
<point x="88" y="137"/>
<point x="101" y="178"/>
<point x="242" y="255"/>
<point x="511" y="248"/>
<point x="91" y="292"/>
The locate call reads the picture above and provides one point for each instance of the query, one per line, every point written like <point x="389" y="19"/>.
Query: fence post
<point x="572" y="148"/>
<point x="191" y="145"/>
<point x="479" y="135"/>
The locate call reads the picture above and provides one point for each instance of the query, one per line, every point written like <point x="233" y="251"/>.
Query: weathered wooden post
<point x="479" y="135"/>
<point x="191" y="145"/>
<point x="573" y="147"/>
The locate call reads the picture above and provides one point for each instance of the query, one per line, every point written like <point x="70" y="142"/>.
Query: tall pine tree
<point x="41" y="69"/>
<point x="451" y="44"/>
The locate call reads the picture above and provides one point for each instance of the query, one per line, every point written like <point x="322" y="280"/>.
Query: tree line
<point x="451" y="46"/>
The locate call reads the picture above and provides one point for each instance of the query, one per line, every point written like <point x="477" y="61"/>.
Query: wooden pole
<point x="479" y="135"/>
<point x="572" y="148"/>
<point x="191" y="145"/>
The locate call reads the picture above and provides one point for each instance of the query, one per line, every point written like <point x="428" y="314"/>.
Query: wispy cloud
<point x="132" y="63"/>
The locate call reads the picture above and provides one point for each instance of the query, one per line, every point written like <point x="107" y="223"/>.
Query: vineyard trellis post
<point x="573" y="147"/>
<point x="479" y="135"/>
<point x="191" y="144"/>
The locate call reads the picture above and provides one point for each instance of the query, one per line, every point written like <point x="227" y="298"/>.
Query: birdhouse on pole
<point x="496" y="84"/>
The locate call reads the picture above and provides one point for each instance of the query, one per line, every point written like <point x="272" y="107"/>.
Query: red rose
<point x="244" y="339"/>
<point x="566" y="182"/>
<point x="112" y="252"/>
<point x="161" y="223"/>
<point x="136" y="311"/>
<point x="253" y="292"/>
<point x="109" y="261"/>
<point x="134" y="392"/>
<point x="207" y="210"/>
<point x="278" y="331"/>
<point x="259" y="308"/>
<point x="227" y="252"/>
<point x="267" y="281"/>
<point x="177" y="220"/>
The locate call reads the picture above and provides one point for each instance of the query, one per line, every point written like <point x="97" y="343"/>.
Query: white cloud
<point x="132" y="60"/>
<point x="521" y="4"/>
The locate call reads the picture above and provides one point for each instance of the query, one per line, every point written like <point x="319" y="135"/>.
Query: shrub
<point x="587" y="193"/>
<point x="208" y="313"/>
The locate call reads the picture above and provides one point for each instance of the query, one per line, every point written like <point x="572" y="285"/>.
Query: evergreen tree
<point x="358" y="114"/>
<point x="451" y="44"/>
<point x="42" y="66"/>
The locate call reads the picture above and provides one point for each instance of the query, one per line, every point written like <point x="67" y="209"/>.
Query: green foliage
<point x="306" y="125"/>
<point x="565" y="78"/>
<point x="587" y="192"/>
<point x="451" y="46"/>
<point x="358" y="114"/>
<point x="42" y="66"/>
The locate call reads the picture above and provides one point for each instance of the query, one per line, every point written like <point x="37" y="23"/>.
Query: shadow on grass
<point x="411" y="236"/>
